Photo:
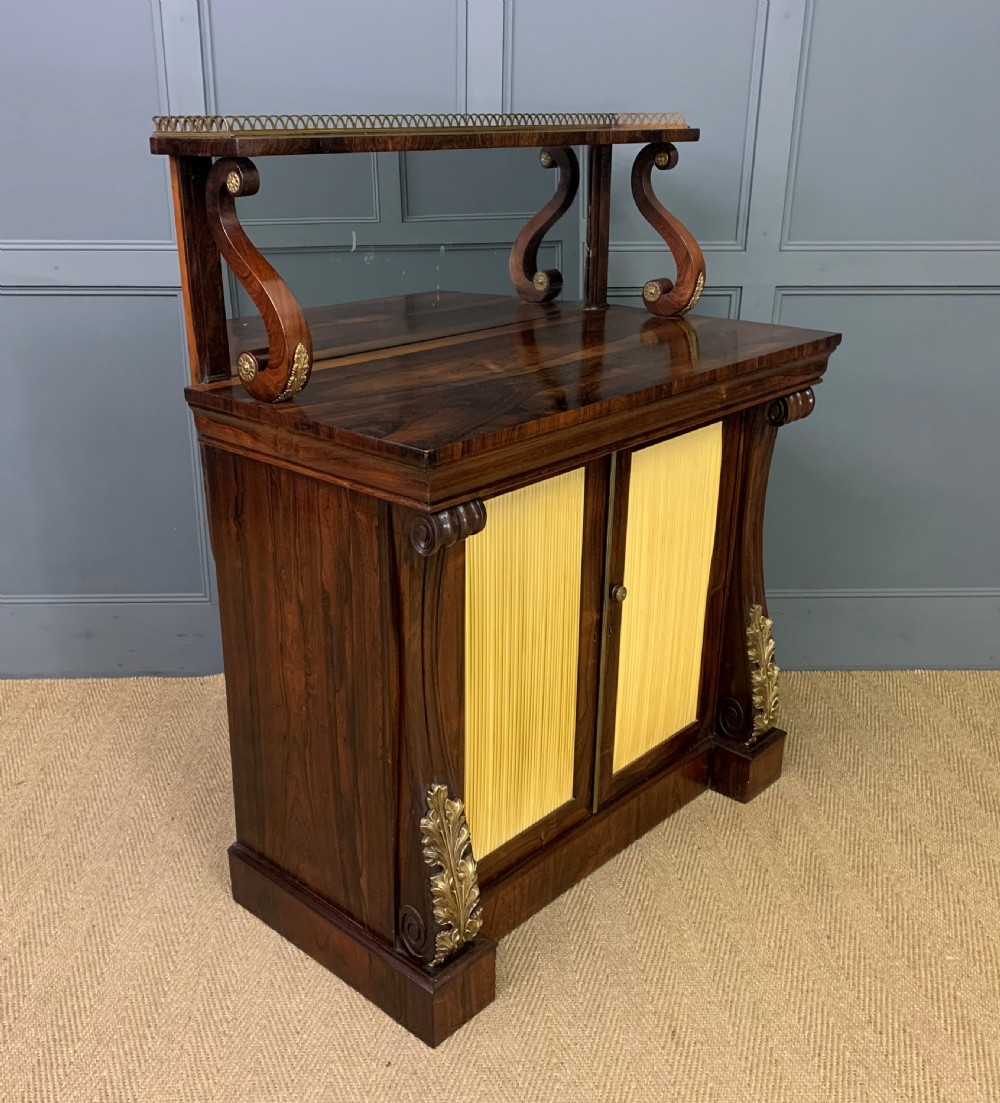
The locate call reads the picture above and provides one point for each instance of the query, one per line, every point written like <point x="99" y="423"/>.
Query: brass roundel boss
<point x="247" y="367"/>
<point x="545" y="158"/>
<point x="619" y="593"/>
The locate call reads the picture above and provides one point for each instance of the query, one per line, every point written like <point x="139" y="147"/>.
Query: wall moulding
<point x="197" y="597"/>
<point x="789" y="245"/>
<point x="410" y="219"/>
<point x="835" y="290"/>
<point x="323" y="220"/>
<point x="738" y="243"/>
<point x="552" y="250"/>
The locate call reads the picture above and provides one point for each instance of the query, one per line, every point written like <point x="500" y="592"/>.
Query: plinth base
<point x="429" y="1005"/>
<point x="742" y="772"/>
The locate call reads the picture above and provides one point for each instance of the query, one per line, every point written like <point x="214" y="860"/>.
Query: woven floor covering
<point x="836" y="939"/>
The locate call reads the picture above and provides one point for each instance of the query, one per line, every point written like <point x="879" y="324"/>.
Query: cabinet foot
<point x="741" y="772"/>
<point x="430" y="1005"/>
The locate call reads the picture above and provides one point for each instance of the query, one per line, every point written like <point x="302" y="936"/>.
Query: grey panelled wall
<point x="844" y="181"/>
<point x="388" y="223"/>
<point x="104" y="560"/>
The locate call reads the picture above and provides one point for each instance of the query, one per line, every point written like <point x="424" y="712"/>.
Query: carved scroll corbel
<point x="792" y="407"/>
<point x="287" y="366"/>
<point x="534" y="286"/>
<point x="664" y="297"/>
<point x="429" y="532"/>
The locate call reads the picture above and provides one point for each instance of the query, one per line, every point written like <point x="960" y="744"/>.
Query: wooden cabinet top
<point x="264" y="135"/>
<point x="432" y="396"/>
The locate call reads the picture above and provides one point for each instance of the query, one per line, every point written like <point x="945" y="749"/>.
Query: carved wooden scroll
<point x="286" y="368"/>
<point x="748" y="677"/>
<point x="792" y="407"/>
<point x="534" y="286"/>
<point x="429" y="532"/>
<point x="662" y="297"/>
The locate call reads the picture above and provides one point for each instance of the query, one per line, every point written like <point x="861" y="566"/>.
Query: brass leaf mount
<point x="298" y="375"/>
<point x="763" y="673"/>
<point x="455" y="887"/>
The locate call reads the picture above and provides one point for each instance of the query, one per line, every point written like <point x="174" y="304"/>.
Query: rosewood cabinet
<point x="489" y="568"/>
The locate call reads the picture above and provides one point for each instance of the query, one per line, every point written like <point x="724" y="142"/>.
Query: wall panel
<point x="331" y="275"/>
<point x="566" y="56"/>
<point x="75" y="166"/>
<point x="100" y="494"/>
<point x="894" y="157"/>
<point x="892" y="484"/>
<point x="474" y="183"/>
<point x="844" y="180"/>
<point x="314" y="190"/>
<point x="310" y="57"/>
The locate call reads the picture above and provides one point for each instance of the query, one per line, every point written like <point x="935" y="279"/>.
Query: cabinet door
<point x="533" y="583"/>
<point x="667" y="504"/>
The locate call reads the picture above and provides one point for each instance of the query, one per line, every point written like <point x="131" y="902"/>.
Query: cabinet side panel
<point x="672" y="509"/>
<point x="309" y="676"/>
<point x="522" y="640"/>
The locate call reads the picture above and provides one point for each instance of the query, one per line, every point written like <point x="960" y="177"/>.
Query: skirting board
<point x="110" y="640"/>
<point x="932" y="631"/>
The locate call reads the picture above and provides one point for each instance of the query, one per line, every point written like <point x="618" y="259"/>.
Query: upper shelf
<point x="264" y="135"/>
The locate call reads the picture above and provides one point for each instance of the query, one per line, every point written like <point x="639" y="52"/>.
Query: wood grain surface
<point x="308" y="643"/>
<point x="288" y="337"/>
<point x="451" y="416"/>
<point x="341" y="524"/>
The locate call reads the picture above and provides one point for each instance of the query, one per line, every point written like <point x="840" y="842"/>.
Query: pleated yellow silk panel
<point x="672" y="506"/>
<point x="522" y="639"/>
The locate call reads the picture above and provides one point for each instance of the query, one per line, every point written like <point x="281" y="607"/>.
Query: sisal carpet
<point x="837" y="939"/>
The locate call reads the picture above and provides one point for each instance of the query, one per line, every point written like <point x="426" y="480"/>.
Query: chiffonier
<point x="489" y="567"/>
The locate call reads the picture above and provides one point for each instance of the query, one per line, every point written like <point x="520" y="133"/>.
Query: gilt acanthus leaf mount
<point x="455" y="885"/>
<point x="763" y="672"/>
